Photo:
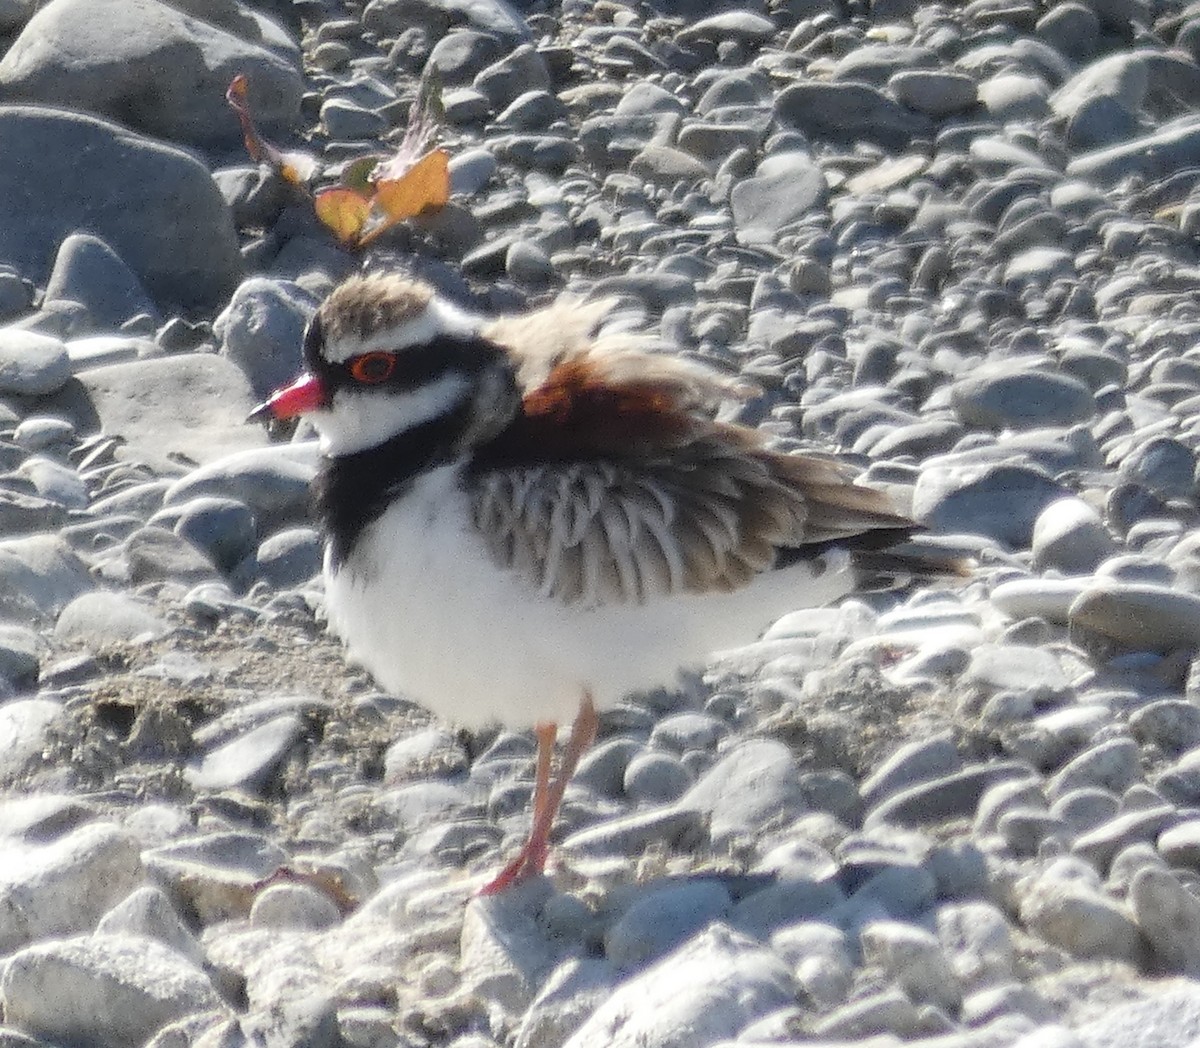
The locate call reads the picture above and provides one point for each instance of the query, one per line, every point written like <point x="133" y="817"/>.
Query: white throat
<point x="358" y="420"/>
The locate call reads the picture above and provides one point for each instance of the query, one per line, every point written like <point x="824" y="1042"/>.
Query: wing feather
<point x="616" y="484"/>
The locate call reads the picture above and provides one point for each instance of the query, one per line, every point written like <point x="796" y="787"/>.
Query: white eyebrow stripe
<point x="437" y="318"/>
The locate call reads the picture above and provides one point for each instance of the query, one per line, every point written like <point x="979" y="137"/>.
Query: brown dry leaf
<point x="344" y="211"/>
<point x="293" y="165"/>
<point x="425" y="185"/>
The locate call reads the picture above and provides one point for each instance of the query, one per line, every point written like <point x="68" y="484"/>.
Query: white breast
<point x="423" y="607"/>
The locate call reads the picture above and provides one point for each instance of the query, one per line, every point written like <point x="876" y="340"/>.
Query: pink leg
<point x="547" y="797"/>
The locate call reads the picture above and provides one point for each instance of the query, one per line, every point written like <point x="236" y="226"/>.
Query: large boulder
<point x="156" y="206"/>
<point x="151" y="67"/>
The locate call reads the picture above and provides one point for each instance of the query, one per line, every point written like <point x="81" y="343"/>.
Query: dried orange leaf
<point x="344" y="211"/>
<point x="425" y="185"/>
<point x="295" y="166"/>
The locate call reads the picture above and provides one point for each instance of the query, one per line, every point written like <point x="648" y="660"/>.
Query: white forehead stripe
<point x="439" y="317"/>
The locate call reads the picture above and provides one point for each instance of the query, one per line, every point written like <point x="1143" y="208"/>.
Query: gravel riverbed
<point x="955" y="243"/>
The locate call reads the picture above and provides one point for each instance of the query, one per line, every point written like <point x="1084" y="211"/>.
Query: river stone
<point x="848" y="113"/>
<point x="436" y="17"/>
<point x="1001" y="501"/>
<point x="709" y="989"/>
<point x="150" y="66"/>
<point x="1070" y="536"/>
<point x="1012" y="396"/>
<point x="110" y="991"/>
<point x="103" y="618"/>
<point x="785" y="188"/>
<point x="1139" y="615"/>
<point x="39" y="576"/>
<point x="88" y="271"/>
<point x="191" y="406"/>
<point x="31" y="363"/>
<point x="156" y="206"/>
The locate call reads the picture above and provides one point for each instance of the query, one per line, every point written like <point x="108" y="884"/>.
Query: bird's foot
<point x="530" y="862"/>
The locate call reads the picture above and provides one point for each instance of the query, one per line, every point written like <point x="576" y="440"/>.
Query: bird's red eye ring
<point x="373" y="368"/>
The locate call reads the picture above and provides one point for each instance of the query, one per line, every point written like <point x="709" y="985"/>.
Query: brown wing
<point x="615" y="484"/>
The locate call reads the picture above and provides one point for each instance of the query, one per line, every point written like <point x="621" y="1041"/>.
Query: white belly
<point x="423" y="607"/>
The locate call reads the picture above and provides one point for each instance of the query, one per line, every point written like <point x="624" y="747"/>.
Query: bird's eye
<point x="372" y="368"/>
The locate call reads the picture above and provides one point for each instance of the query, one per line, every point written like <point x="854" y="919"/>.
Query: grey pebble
<point x="262" y="328"/>
<point x="290" y="557"/>
<point x="471" y="170"/>
<point x="425" y="752"/>
<point x="55" y="481"/>
<point x="521" y="70"/>
<point x="1069" y="535"/>
<point x="63" y="886"/>
<point x="914" y="762"/>
<point x="603" y="767"/>
<point x="1025" y="829"/>
<point x="159" y="208"/>
<point x="345" y="120"/>
<point x="1138" y="616"/>
<point x="914" y="959"/>
<point x="223" y="529"/>
<point x="27" y="727"/>
<point x="39" y="576"/>
<point x="841" y="113"/>
<point x="1079" y="918"/>
<point x="114" y="989"/>
<point x="189" y="57"/>
<point x="294" y="907"/>
<point x="156" y="554"/>
<point x="42" y="432"/>
<point x="273" y="482"/>
<point x="147" y="911"/>
<point x="528" y="265"/>
<point x="32" y="364"/>
<point x="247" y="763"/>
<point x="1001" y="501"/>
<point x="1085" y="807"/>
<point x="948" y="797"/>
<point x="936" y="93"/>
<point x="462" y="53"/>
<point x="784" y="188"/>
<point x="683" y="732"/>
<point x="1020" y="396"/>
<point x="1169" y="916"/>
<point x="1101" y="844"/>
<point x="719" y="978"/>
<point x="104" y="617"/>
<point x="1173" y="725"/>
<point x="1164" y="465"/>
<point x="88" y="271"/>
<point x="752" y="782"/>
<point x="188" y="407"/>
<point x="662" y="918"/>
<point x="1112" y="765"/>
<point x="656" y="778"/>
<point x="673" y="826"/>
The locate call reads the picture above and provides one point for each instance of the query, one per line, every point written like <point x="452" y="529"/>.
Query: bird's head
<point x="384" y="355"/>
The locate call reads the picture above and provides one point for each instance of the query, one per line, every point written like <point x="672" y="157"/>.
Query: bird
<point x="528" y="517"/>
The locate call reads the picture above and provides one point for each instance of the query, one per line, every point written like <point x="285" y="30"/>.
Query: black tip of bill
<point x="261" y="413"/>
